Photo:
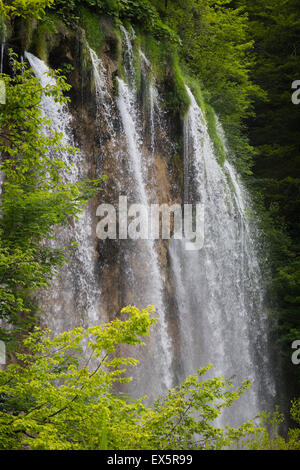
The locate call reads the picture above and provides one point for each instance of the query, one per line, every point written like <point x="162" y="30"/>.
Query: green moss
<point x="230" y="184"/>
<point x="156" y="52"/>
<point x="91" y="24"/>
<point x="137" y="59"/>
<point x="210" y="117"/>
<point x="166" y="69"/>
<point x="213" y="132"/>
<point x="115" y="86"/>
<point x="121" y="68"/>
<point x="122" y="73"/>
<point x="177" y="100"/>
<point x="26" y="30"/>
<point x="111" y="37"/>
<point x="41" y="36"/>
<point x="164" y="61"/>
<point x="45" y="38"/>
<point x="86" y="68"/>
<point x="180" y="88"/>
<point x="3" y="29"/>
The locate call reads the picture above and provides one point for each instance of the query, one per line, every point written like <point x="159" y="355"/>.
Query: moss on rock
<point x="90" y="22"/>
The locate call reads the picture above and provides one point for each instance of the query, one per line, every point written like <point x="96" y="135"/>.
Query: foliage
<point x="275" y="28"/>
<point x="212" y="40"/>
<point x="2" y="29"/>
<point x="90" y="23"/>
<point x="67" y="11"/>
<point x="268" y="438"/>
<point x="210" y="116"/>
<point x="55" y="399"/>
<point x="24" y="8"/>
<point x="139" y="12"/>
<point x="177" y="99"/>
<point x="191" y="410"/>
<point x="218" y="51"/>
<point x="143" y="12"/>
<point x="234" y="50"/>
<point x="35" y="196"/>
<point x="44" y="37"/>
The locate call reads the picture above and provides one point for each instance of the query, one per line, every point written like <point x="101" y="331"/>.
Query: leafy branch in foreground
<point x="35" y="195"/>
<point x="24" y="8"/>
<point x="269" y="438"/>
<point x="61" y="395"/>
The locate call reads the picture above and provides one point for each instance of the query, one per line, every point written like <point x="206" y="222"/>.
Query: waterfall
<point x="150" y="95"/>
<point x="128" y="56"/>
<point x="130" y="124"/>
<point x="58" y="114"/>
<point x="151" y="98"/>
<point x="2" y="57"/>
<point x="219" y="289"/>
<point x="141" y="257"/>
<point x="73" y="297"/>
<point x="152" y="287"/>
<point x="210" y="303"/>
<point x="140" y="281"/>
<point x="103" y="98"/>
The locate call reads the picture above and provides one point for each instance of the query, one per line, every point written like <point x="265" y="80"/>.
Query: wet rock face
<point x="123" y="271"/>
<point x="116" y="270"/>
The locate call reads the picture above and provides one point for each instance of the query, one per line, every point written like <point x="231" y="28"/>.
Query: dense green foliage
<point x="212" y="41"/>
<point x="275" y="133"/>
<point x="240" y="57"/>
<point x="217" y="50"/>
<point x="139" y="12"/>
<point x="54" y="399"/>
<point x="24" y="8"/>
<point x="35" y="196"/>
<point x="270" y="439"/>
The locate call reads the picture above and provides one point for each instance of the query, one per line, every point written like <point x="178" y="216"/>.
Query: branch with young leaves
<point x="24" y="8"/>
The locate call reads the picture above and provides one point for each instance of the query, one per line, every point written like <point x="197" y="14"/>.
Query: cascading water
<point x="103" y="98"/>
<point x="151" y="98"/>
<point x="2" y="57"/>
<point x="141" y="281"/>
<point x="128" y="56"/>
<point x="73" y="298"/>
<point x="219" y="289"/>
<point x="141" y="256"/>
<point x="151" y="284"/>
<point x="217" y="292"/>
